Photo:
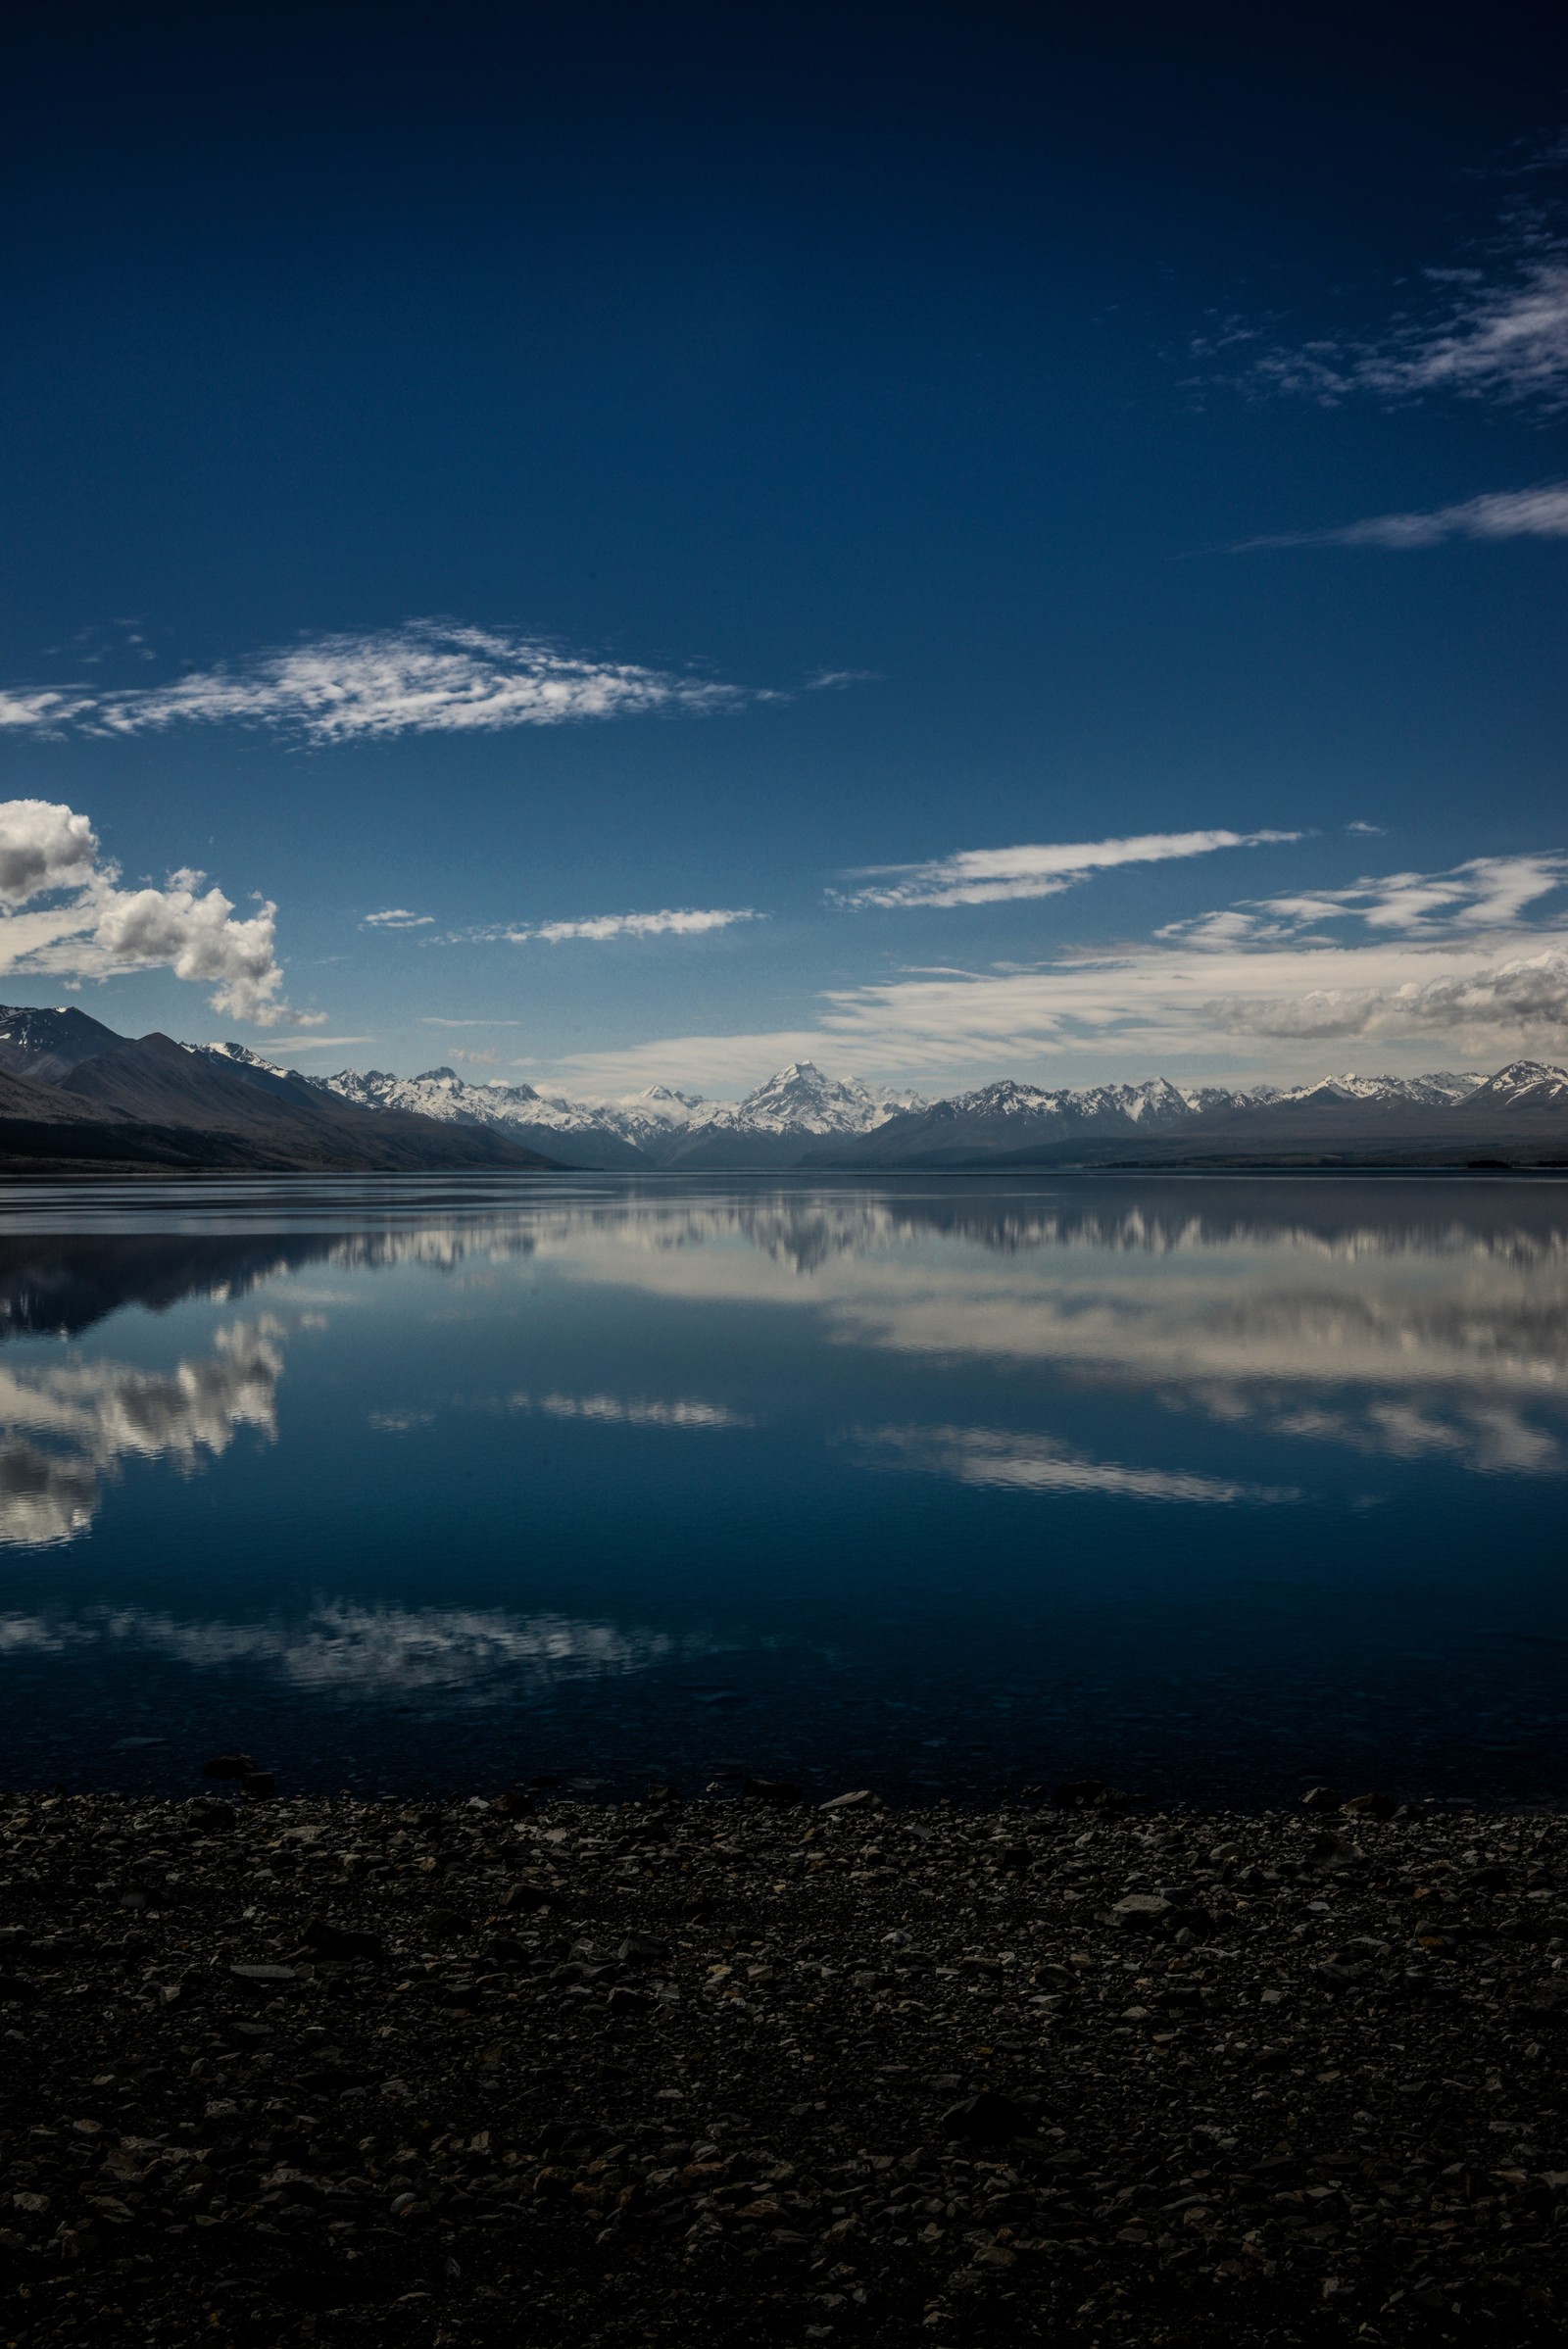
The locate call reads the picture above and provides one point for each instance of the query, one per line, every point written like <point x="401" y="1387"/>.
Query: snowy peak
<point x="801" y="1099"/>
<point x="1436" y="1091"/>
<point x="241" y="1057"/>
<point x="1525" y="1084"/>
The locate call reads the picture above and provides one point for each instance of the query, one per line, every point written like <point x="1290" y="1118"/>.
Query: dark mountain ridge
<point x="74" y="1096"/>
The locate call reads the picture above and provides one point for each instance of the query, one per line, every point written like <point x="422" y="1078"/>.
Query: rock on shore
<point x="328" y="2072"/>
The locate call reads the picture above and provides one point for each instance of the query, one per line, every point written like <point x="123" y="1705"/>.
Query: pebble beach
<point x="526" y="2069"/>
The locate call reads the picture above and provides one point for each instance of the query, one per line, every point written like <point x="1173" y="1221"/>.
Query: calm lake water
<point x="1212" y="1486"/>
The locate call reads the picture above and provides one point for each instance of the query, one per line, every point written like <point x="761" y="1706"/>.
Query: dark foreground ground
<point x="732" y="2070"/>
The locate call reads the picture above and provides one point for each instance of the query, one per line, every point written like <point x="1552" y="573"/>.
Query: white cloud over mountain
<point x="428" y="676"/>
<point x="1400" y="955"/>
<point x="69" y="914"/>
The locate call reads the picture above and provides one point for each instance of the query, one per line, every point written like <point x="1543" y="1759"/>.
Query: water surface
<point x="1211" y="1487"/>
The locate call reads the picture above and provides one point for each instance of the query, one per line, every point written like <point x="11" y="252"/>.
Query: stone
<point x="515" y="1803"/>
<point x="860" y="1797"/>
<point x="326" y="1941"/>
<point x="228" y="1765"/>
<point x="772" y="1789"/>
<point x="987" y="2118"/>
<point x="1142" y="1909"/>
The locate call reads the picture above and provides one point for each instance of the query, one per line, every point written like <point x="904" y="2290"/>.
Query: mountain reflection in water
<point x="1201" y="1483"/>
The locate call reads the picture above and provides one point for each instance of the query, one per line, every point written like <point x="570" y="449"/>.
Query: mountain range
<point x="75" y="1094"/>
<point x="800" y="1118"/>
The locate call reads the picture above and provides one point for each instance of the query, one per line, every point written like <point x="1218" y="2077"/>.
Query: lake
<point x="1211" y="1488"/>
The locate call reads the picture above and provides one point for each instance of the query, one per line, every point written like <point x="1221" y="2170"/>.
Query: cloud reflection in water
<point x="379" y="1652"/>
<point x="66" y="1426"/>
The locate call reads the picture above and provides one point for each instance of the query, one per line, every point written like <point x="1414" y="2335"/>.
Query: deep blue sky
<point x="948" y="351"/>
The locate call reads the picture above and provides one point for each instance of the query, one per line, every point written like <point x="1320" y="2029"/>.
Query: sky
<point x="617" y="545"/>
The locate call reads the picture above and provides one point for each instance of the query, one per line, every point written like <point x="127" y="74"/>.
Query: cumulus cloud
<point x="1502" y="513"/>
<point x="428" y="677"/>
<point x="43" y="845"/>
<point x="69" y="914"/>
<point x="689" y="922"/>
<point x="991" y="876"/>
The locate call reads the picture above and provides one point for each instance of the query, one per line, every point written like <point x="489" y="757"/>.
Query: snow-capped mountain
<point x="660" y="1127"/>
<point x="1525" y="1084"/>
<point x="801" y="1099"/>
<point x="1441" y="1089"/>
<point x="801" y="1116"/>
<point x="1444" y="1115"/>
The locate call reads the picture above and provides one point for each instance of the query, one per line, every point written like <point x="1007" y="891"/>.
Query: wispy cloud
<point x="1502" y="513"/>
<point x="397" y="918"/>
<point x="689" y="922"/>
<point x="992" y="876"/>
<point x="1483" y="893"/>
<point x="69" y="914"/>
<point x="317" y="1044"/>
<point x="428" y="676"/>
<point x="1495" y="328"/>
<point x="1410" y="956"/>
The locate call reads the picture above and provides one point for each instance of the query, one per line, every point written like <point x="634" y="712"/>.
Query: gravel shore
<point x="543" y="2072"/>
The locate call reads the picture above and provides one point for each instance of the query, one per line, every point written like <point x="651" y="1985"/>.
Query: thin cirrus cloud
<point x="993" y="876"/>
<point x="1497" y="332"/>
<point x="1483" y="893"/>
<point x="428" y="677"/>
<point x="672" y="923"/>
<point x="63" y="911"/>
<point x="397" y="918"/>
<point x="1540" y="513"/>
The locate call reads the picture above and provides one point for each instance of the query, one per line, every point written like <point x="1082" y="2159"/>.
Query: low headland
<point x="525" y="2069"/>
